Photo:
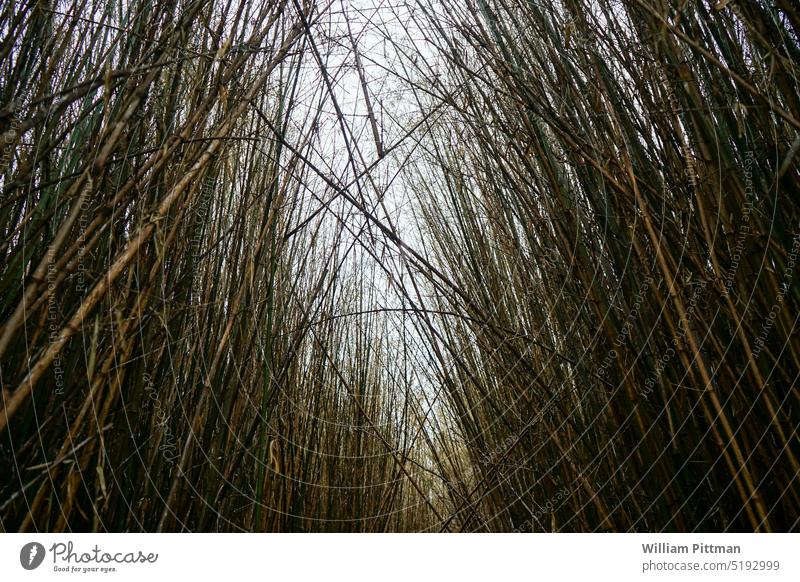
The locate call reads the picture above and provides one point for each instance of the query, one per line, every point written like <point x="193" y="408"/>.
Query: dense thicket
<point x="480" y="266"/>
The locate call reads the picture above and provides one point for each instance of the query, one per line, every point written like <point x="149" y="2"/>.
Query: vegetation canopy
<point x="369" y="266"/>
